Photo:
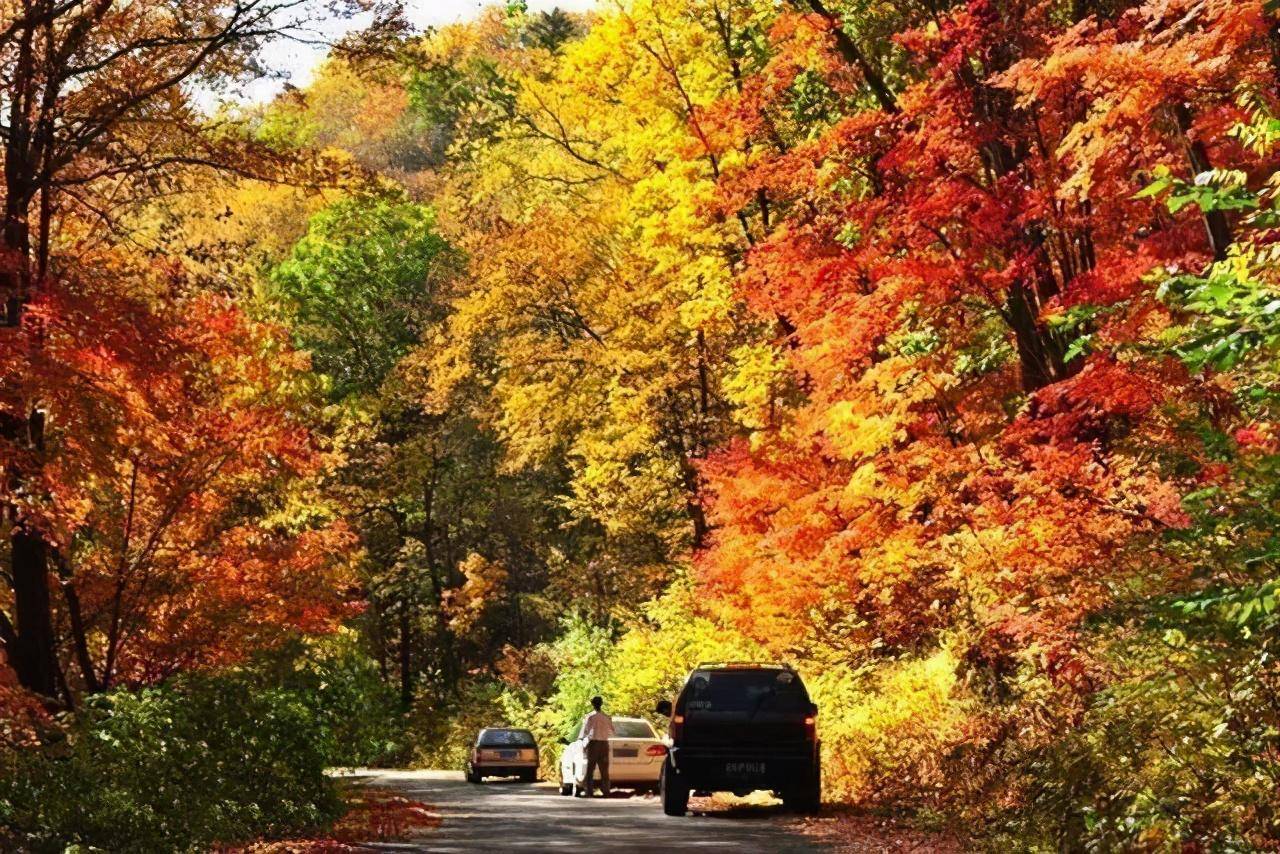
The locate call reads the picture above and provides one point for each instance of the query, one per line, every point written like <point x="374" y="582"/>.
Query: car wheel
<point x="807" y="800"/>
<point x="471" y="775"/>
<point x="675" y="792"/>
<point x="530" y="776"/>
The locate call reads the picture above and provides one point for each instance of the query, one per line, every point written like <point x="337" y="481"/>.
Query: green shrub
<point x="341" y="686"/>
<point x="1180" y="753"/>
<point x="202" y="759"/>
<point x="442" y="736"/>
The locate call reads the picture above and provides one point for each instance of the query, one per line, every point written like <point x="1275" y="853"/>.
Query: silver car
<point x="503" y="752"/>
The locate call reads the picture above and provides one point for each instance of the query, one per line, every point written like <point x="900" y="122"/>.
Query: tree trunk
<point x="1216" y="226"/>
<point x="853" y="54"/>
<point x="406" y="657"/>
<point x="31" y="650"/>
<point x="1039" y="356"/>
<point x="79" y="633"/>
<point x="32" y="653"/>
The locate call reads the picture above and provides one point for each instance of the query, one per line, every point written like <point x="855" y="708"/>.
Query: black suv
<point x="742" y="727"/>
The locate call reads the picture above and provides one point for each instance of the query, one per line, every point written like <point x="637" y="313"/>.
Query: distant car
<point x="503" y="752"/>
<point x="742" y="727"/>
<point x="636" y="753"/>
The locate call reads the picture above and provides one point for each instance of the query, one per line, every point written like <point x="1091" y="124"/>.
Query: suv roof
<point x="742" y="665"/>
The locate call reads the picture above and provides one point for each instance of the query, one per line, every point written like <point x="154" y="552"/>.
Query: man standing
<point x="597" y="729"/>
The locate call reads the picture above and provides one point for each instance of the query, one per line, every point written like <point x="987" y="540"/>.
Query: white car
<point x="636" y="754"/>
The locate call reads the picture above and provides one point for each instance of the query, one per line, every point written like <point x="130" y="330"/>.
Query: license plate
<point x="508" y="754"/>
<point x="745" y="769"/>
<point x="627" y="752"/>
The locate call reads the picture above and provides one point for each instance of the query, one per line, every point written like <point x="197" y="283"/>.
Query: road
<point x="510" y="816"/>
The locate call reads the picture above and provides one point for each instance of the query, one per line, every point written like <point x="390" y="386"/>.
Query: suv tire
<point x="675" y="792"/>
<point x="806" y="800"/>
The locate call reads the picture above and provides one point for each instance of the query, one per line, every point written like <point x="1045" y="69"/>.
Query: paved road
<point x="510" y="816"/>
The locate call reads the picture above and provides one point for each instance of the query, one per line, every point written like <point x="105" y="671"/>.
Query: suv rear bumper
<point x="743" y="770"/>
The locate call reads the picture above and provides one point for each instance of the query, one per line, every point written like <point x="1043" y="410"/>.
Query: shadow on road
<point x="507" y="815"/>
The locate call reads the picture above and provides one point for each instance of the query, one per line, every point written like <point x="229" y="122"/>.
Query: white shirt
<point x="597" y="726"/>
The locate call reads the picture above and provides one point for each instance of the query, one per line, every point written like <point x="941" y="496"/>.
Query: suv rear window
<point x="744" y="691"/>
<point x="506" y="738"/>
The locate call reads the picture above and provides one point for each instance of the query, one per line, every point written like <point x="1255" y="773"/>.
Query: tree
<point x="362" y="286"/>
<point x="96" y="99"/>
<point x="164" y="488"/>
<point x="598" y="289"/>
<point x="550" y="30"/>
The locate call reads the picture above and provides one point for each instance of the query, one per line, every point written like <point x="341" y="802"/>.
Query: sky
<point x="297" y="61"/>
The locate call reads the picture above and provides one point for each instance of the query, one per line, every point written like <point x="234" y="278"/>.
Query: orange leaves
<point x="484" y="582"/>
<point x="172" y="427"/>
<point x="945" y="466"/>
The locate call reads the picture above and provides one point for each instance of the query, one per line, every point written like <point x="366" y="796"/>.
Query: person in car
<point x="597" y="729"/>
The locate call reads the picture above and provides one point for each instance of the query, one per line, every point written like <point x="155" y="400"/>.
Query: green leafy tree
<point x="362" y="285"/>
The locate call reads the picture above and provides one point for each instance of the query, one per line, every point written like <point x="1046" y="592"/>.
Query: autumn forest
<point x="932" y="346"/>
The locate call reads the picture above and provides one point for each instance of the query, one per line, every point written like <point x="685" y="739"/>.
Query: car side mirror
<point x="813" y="709"/>
<point x="663" y="708"/>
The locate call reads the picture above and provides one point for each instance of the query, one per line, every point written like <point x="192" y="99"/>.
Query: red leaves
<point x="171" y="425"/>
<point x="922" y="262"/>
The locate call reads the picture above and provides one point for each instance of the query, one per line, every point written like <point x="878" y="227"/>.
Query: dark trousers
<point x="598" y="757"/>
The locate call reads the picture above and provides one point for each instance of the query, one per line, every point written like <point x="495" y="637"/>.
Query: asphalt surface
<point x="499" y="816"/>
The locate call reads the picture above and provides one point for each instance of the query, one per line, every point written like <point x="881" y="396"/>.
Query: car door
<point x="573" y="762"/>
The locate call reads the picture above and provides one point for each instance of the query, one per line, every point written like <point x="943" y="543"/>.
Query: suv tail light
<point x="677" y="725"/>
<point x="656" y="750"/>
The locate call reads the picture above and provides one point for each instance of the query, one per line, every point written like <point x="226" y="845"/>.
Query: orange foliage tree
<point x="974" y="437"/>
<point x="98" y="118"/>
<point x="172" y="438"/>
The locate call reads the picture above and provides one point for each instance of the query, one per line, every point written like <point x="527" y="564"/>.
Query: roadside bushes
<point x="442" y="734"/>
<point x="343" y="690"/>
<point x="1182" y="751"/>
<point x="204" y="758"/>
<point x="885" y="732"/>
<point x="199" y="760"/>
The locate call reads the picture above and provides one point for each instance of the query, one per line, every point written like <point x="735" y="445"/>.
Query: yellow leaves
<point x="751" y="387"/>
<point x="889" y="730"/>
<point x="862" y="488"/>
<point x="484" y="581"/>
<point x="855" y="430"/>
<point x="600" y="294"/>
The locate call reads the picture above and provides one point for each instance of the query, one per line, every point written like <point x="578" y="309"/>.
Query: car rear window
<point x="744" y="691"/>
<point x="632" y="729"/>
<point x="506" y="738"/>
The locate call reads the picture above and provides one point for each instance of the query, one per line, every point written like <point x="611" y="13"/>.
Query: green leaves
<point x="362" y="285"/>
<point x="1245" y="607"/>
<point x="1233" y="312"/>
<point x="1071" y="325"/>
<point x="201" y="760"/>
<point x="1215" y="190"/>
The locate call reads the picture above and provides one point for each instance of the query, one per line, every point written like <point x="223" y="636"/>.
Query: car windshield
<point x="632" y="729"/>
<point x="744" y="691"/>
<point x="506" y="738"/>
